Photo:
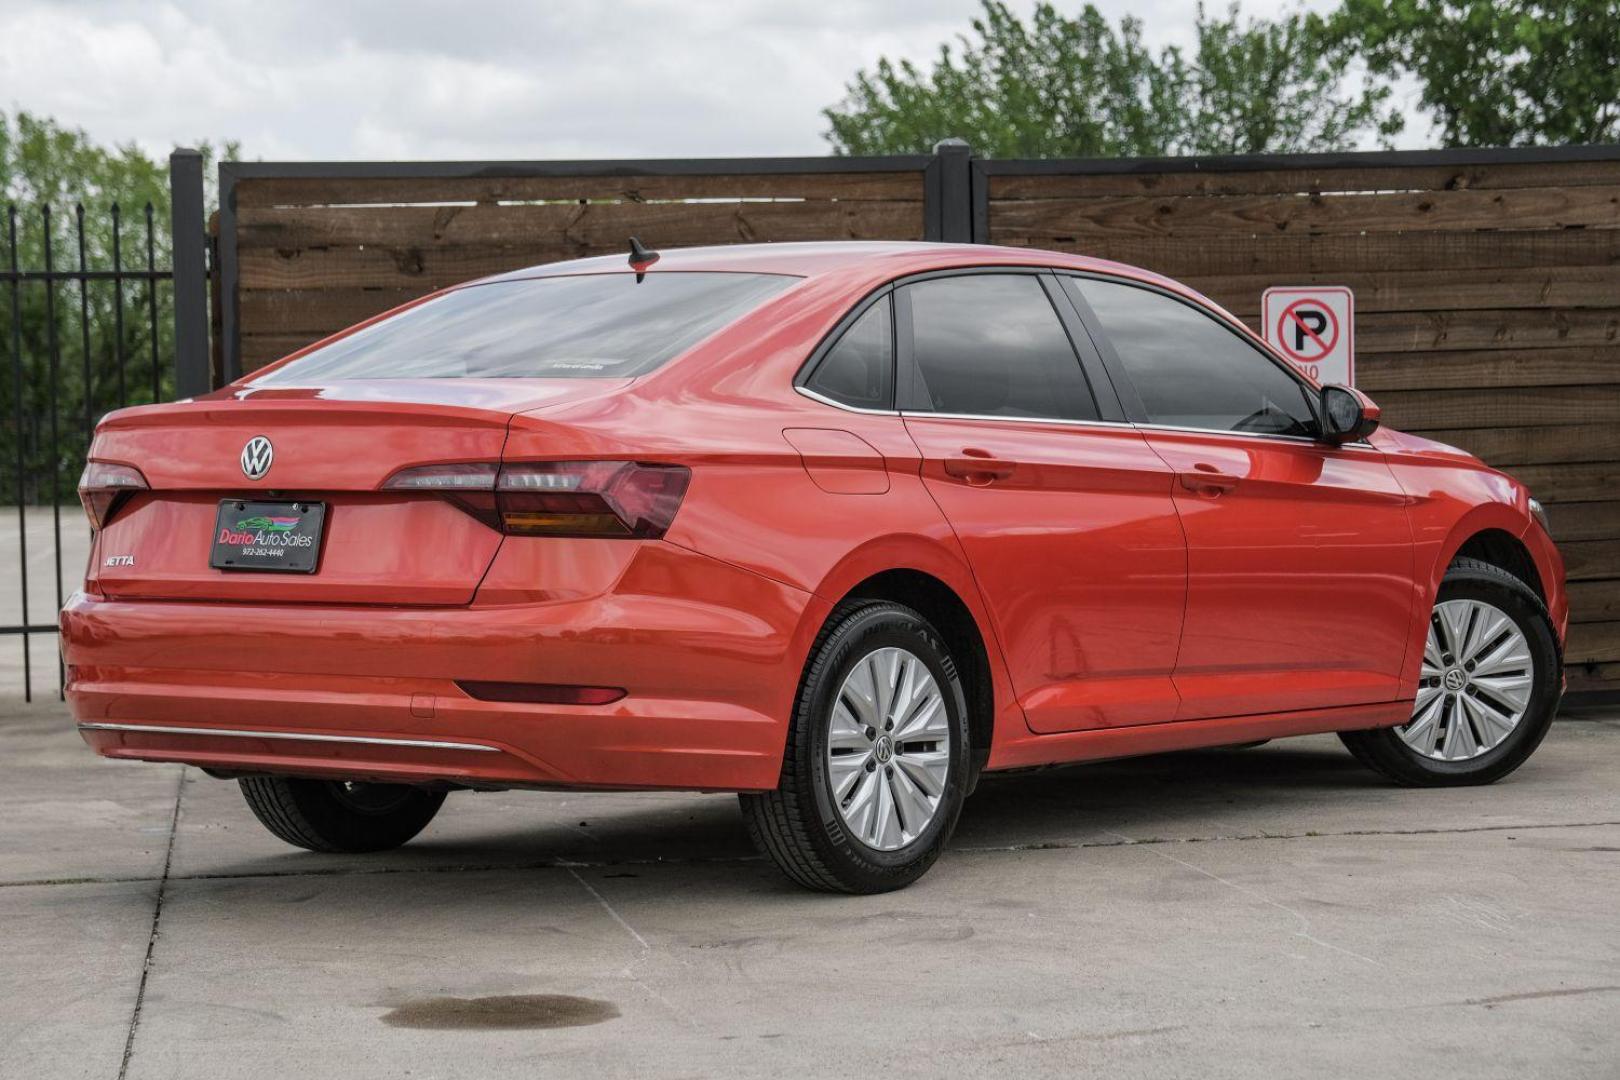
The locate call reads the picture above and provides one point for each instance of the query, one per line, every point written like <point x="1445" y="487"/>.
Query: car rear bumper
<point x="708" y="654"/>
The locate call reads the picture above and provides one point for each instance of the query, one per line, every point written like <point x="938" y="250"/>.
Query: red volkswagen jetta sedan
<point x="838" y="527"/>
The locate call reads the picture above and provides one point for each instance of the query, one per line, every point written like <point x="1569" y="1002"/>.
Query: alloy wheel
<point x="1475" y="682"/>
<point x="888" y="748"/>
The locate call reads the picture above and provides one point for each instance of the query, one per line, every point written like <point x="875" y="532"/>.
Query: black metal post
<point x="955" y="191"/>
<point x="190" y="263"/>
<point x="22" y="459"/>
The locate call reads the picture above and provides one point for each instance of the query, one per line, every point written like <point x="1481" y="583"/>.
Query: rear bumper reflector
<point x="540" y="693"/>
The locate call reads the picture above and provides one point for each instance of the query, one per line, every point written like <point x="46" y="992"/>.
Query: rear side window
<point x="578" y="327"/>
<point x="859" y="370"/>
<point x="991" y="345"/>
<point x="1192" y="371"/>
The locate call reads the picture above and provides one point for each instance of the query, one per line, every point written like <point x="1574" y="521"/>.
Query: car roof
<point x="856" y="259"/>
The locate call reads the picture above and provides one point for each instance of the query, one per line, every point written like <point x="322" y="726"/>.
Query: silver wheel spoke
<point x="927" y="770"/>
<point x="1474" y="683"/>
<point x="915" y="807"/>
<point x="846" y="770"/>
<point x="888" y="748"/>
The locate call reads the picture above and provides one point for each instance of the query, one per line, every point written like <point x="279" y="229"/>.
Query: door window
<point x="1191" y="370"/>
<point x="992" y="345"/>
<point x="859" y="370"/>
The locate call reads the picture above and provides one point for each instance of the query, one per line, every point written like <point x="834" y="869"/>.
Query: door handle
<point x="1207" y="480"/>
<point x="977" y="467"/>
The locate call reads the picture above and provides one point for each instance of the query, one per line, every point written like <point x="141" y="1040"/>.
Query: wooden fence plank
<point x="1464" y="368"/>
<point x="590" y="225"/>
<point x="1593" y="643"/>
<point x="630" y="187"/>
<point x="1445" y="410"/>
<point x="1231" y="216"/>
<point x="1288" y="256"/>
<point x="1572" y="521"/>
<point x="1425" y="290"/>
<point x="1515" y="328"/>
<point x="1594" y="601"/>
<point x="1290" y="181"/>
<point x="1589" y="560"/>
<point x="1544" y="444"/>
<point x="577" y="232"/>
<point x="1577" y="482"/>
<point x="1424" y="331"/>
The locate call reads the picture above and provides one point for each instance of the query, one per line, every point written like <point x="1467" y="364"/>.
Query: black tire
<point x="798" y="825"/>
<point x="1383" y="749"/>
<point x="329" y="815"/>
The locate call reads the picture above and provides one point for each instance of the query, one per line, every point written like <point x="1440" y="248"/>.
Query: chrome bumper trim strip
<point x="415" y="744"/>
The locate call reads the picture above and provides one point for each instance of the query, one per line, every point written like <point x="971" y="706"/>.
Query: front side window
<point x="992" y="345"/>
<point x="573" y="327"/>
<point x="1191" y="370"/>
<point x="859" y="369"/>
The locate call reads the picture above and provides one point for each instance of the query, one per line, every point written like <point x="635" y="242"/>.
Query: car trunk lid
<point x="334" y="445"/>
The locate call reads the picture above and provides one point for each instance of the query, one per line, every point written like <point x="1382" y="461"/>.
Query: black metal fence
<point x="93" y="321"/>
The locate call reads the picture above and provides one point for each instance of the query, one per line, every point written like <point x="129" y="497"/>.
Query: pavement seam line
<point x="607" y="907"/>
<point x="152" y="935"/>
<point x="1304" y="930"/>
<point x="727" y="860"/>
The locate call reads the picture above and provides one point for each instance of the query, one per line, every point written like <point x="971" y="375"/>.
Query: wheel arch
<point x="940" y="604"/>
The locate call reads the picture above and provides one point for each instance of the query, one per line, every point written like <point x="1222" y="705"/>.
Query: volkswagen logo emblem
<point x="256" y="457"/>
<point x="1455" y="680"/>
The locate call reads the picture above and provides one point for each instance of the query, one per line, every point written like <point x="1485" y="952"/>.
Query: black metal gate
<point x="92" y="323"/>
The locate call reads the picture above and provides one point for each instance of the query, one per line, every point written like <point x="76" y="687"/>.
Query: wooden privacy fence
<point x="1487" y="282"/>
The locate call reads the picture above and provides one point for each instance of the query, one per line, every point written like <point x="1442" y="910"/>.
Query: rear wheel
<point x="1487" y="690"/>
<point x="876" y="763"/>
<point x="335" y="815"/>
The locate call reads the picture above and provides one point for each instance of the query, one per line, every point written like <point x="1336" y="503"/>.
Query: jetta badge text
<point x="256" y="457"/>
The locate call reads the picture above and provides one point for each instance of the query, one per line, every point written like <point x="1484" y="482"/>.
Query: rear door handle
<point x="977" y="467"/>
<point x="1207" y="480"/>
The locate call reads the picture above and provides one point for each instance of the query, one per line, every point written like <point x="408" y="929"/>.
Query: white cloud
<point x="318" y="79"/>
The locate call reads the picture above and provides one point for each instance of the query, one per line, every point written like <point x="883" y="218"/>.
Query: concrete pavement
<point x="1276" y="911"/>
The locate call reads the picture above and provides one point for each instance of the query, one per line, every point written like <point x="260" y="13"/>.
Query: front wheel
<point x="1487" y="691"/>
<point x="876" y="764"/>
<point x="335" y="815"/>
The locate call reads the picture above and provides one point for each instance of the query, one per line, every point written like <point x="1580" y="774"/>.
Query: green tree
<point x="1080" y="87"/>
<point x="76" y="351"/>
<point x="1498" y="72"/>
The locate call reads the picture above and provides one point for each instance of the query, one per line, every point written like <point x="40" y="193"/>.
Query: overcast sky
<point x="328" y="79"/>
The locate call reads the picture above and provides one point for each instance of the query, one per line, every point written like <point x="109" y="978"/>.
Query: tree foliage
<point x="1080" y="87"/>
<point x="1498" y="72"/>
<point x="77" y="350"/>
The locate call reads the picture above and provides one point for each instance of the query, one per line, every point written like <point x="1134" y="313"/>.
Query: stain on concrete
<point x="500" y="1012"/>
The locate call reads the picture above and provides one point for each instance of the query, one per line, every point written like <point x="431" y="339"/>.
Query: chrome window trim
<point x="1111" y="424"/>
<point x="1259" y="435"/>
<point x="292" y="736"/>
<point x="825" y="400"/>
<point x="922" y="414"/>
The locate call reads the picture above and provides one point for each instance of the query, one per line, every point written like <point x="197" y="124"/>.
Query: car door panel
<point x="1078" y="553"/>
<point x="1299" y="553"/>
<point x="1299" y="570"/>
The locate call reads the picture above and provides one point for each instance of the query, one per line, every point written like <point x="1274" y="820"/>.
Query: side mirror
<point x="1347" y="414"/>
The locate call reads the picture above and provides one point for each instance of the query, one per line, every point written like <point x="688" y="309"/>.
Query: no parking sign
<point x="1314" y="327"/>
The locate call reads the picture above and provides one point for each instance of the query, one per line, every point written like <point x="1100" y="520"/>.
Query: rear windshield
<point x="586" y="326"/>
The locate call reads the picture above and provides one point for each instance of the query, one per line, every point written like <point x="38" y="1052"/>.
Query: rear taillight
<point x="103" y="486"/>
<point x="558" y="498"/>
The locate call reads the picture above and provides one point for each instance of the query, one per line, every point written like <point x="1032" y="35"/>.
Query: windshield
<point x="586" y="326"/>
